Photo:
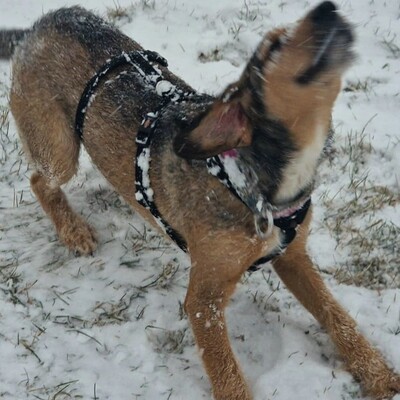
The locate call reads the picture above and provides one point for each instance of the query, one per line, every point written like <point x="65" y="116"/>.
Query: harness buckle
<point x="264" y="224"/>
<point x="146" y="128"/>
<point x="165" y="88"/>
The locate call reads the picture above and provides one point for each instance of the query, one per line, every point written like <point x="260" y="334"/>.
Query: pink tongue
<point x="286" y="212"/>
<point x="230" y="153"/>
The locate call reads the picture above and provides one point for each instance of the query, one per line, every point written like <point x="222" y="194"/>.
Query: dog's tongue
<point x="233" y="153"/>
<point x="287" y="212"/>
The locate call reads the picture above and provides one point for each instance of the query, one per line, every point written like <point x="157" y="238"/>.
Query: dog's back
<point x="51" y="67"/>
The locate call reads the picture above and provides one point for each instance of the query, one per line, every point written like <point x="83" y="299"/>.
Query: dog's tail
<point x="9" y="39"/>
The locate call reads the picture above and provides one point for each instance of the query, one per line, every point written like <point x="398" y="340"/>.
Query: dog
<point x="227" y="178"/>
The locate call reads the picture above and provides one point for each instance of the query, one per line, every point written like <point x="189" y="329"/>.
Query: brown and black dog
<point x="267" y="131"/>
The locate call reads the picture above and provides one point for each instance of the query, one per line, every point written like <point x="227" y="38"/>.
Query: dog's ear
<point x="223" y="127"/>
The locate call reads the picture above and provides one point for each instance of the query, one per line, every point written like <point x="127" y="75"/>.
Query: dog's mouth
<point x="289" y="208"/>
<point x="246" y="182"/>
<point x="330" y="42"/>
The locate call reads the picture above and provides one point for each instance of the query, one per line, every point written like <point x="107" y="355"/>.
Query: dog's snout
<point x="329" y="26"/>
<point x="324" y="13"/>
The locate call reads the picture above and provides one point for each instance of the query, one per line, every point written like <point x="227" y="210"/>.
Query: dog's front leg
<point x="212" y="282"/>
<point x="363" y="361"/>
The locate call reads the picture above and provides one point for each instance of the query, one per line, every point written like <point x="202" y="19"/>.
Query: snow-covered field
<point x="111" y="326"/>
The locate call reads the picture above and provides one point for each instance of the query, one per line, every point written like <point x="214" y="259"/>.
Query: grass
<point x="266" y="301"/>
<point x="116" y="312"/>
<point x="5" y="140"/>
<point x="61" y="391"/>
<point x="354" y="219"/>
<point x="390" y="44"/>
<point x="211" y="56"/>
<point x="249" y="13"/>
<point x="148" y="4"/>
<point x="165" y="279"/>
<point x="234" y="48"/>
<point x="119" y="14"/>
<point x="358" y="86"/>
<point x="168" y="340"/>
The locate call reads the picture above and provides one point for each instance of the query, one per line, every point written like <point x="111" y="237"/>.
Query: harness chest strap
<point x="141" y="61"/>
<point x="144" y="194"/>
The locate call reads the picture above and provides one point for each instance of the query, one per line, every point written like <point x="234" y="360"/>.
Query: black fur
<point x="327" y="25"/>
<point x="9" y="39"/>
<point x="272" y="143"/>
<point x="86" y="28"/>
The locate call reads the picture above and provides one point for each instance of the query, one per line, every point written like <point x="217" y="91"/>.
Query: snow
<point x="111" y="326"/>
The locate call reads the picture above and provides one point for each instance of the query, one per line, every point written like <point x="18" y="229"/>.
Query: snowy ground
<point x="111" y="326"/>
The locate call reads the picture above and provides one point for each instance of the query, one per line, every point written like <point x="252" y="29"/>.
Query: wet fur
<point x="274" y="135"/>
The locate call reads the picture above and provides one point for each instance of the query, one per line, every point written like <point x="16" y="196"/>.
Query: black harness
<point x="288" y="226"/>
<point x="144" y="192"/>
<point x="141" y="61"/>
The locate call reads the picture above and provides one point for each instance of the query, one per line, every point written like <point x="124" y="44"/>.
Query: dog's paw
<point x="394" y="384"/>
<point x="385" y="386"/>
<point x="79" y="237"/>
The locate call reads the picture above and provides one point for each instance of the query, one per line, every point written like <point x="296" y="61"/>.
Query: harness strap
<point x="261" y="209"/>
<point x="140" y="60"/>
<point x="144" y="194"/>
<point x="288" y="226"/>
<point x="233" y="177"/>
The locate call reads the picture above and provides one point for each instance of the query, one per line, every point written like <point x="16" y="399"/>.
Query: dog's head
<point x="275" y="120"/>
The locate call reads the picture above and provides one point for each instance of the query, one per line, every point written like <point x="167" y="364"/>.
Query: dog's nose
<point x="325" y="12"/>
<point x="327" y="21"/>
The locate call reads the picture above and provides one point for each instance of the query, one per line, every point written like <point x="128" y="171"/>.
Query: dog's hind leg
<point x="363" y="361"/>
<point x="53" y="148"/>
<point x="72" y="230"/>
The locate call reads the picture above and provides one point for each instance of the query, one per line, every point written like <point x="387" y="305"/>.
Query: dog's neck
<point x="243" y="181"/>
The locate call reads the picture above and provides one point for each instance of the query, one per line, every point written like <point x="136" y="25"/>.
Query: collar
<point x="266" y="215"/>
<point x="288" y="225"/>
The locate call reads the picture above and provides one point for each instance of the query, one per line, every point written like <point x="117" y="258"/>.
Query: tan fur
<point x="283" y="94"/>
<point x="221" y="247"/>
<point x="363" y="361"/>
